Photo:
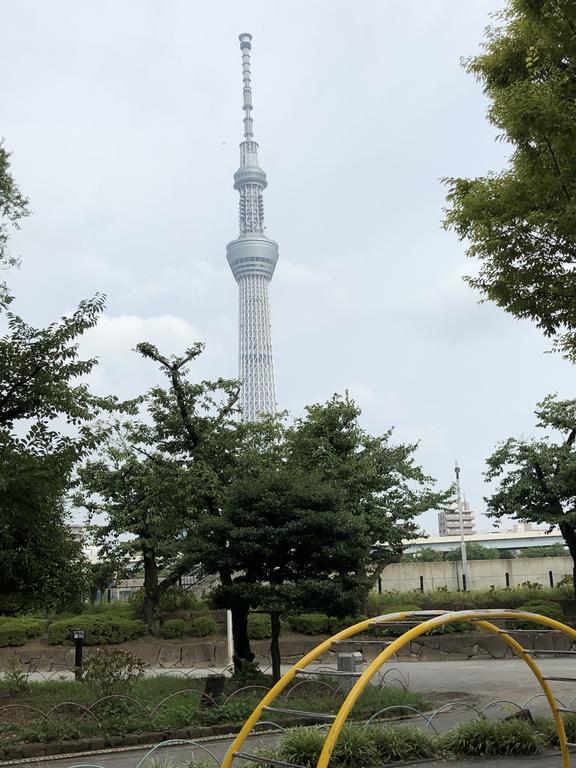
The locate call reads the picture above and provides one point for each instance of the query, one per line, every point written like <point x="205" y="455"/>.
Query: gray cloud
<point x="124" y="119"/>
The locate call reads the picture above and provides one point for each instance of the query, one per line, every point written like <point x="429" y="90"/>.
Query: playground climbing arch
<point x="416" y="623"/>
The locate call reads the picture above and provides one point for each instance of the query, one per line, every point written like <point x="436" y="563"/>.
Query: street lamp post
<point x="465" y="572"/>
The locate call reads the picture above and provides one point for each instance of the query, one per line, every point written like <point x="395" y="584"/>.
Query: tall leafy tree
<point x="379" y="481"/>
<point x="149" y="515"/>
<point x="520" y="223"/>
<point x="13" y="208"/>
<point x="46" y="426"/>
<point x="537" y="478"/>
<point x="46" y="416"/>
<point x="311" y="515"/>
<point x="283" y="541"/>
<point x="161" y="474"/>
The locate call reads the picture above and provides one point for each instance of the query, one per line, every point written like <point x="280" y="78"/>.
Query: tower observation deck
<point x="252" y="258"/>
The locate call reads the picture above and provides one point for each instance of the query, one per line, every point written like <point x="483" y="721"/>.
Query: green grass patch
<point x="185" y="709"/>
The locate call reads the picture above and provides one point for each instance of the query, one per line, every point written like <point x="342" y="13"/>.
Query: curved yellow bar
<point x="291" y="674"/>
<point x="548" y="692"/>
<point x="434" y="623"/>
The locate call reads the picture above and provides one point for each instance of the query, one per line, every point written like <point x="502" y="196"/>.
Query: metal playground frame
<point x="418" y="623"/>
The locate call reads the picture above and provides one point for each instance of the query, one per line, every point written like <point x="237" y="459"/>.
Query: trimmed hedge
<point x="309" y="623"/>
<point x="16" y="631"/>
<point x="172" y="628"/>
<point x="201" y="626"/>
<point x="259" y="626"/>
<point x="544" y="608"/>
<point x="320" y="624"/>
<point x="101" y="629"/>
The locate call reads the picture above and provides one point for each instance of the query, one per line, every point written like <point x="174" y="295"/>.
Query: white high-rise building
<point x="449" y="521"/>
<point x="252" y="258"/>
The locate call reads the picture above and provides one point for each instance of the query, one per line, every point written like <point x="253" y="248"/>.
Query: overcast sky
<point x="124" y="119"/>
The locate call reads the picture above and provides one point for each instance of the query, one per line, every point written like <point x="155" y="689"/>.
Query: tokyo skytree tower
<point x="252" y="258"/>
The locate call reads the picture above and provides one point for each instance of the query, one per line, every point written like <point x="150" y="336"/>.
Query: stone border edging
<point x="116" y="742"/>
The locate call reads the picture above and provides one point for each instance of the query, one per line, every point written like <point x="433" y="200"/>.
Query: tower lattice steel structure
<point x="252" y="258"/>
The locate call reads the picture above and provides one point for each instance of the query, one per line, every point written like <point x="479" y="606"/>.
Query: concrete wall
<point x="484" y="573"/>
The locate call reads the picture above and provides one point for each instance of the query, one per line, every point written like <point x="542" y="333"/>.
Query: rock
<point x="169" y="655"/>
<point x="34" y="750"/>
<point x="494" y="645"/>
<point x="197" y="653"/>
<point x="130" y="739"/>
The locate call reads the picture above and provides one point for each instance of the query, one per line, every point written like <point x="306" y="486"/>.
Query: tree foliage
<point x="552" y="550"/>
<point x="537" y="477"/>
<point x="520" y="223"/>
<point x="46" y="426"/>
<point x="46" y="416"/>
<point x="13" y="207"/>
<point x="159" y="474"/>
<point x="474" y="551"/>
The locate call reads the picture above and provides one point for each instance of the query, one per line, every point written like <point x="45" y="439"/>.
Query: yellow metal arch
<point x="480" y="618"/>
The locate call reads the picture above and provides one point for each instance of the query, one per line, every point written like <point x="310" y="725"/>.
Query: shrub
<point x="354" y="749"/>
<point x="302" y="746"/>
<point x="402" y="743"/>
<point x="172" y="628"/>
<point x="544" y="608"/>
<point x="15" y="678"/>
<point x="110" y="670"/>
<point x="493" y="737"/>
<point x="263" y="751"/>
<point x="336" y="624"/>
<point x="309" y="623"/>
<point x="201" y="626"/>
<point x="101" y="629"/>
<point x="259" y="626"/>
<point x="175" y="603"/>
<point x="390" y="629"/>
<point x="18" y="630"/>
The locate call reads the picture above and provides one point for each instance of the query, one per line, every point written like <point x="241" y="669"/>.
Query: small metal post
<point x="551" y="579"/>
<point x="78" y="637"/>
<point x="421" y="583"/>
<point x="379" y="585"/>
<point x="507" y="579"/>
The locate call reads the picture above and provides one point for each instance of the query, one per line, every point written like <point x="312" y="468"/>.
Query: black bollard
<point x="78" y="637"/>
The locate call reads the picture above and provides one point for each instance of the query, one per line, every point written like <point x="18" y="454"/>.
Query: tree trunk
<point x="243" y="656"/>
<point x="569" y="534"/>
<point x="275" y="646"/>
<point x="151" y="591"/>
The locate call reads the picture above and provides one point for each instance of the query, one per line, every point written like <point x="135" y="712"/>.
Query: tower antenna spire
<point x="246" y="46"/>
<point x="252" y="258"/>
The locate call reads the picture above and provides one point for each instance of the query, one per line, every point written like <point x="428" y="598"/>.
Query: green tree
<point x="537" y="478"/>
<point x="13" y="208"/>
<point x="283" y="540"/>
<point x="102" y="574"/>
<point x="552" y="550"/>
<point x="149" y="512"/>
<point x="474" y="551"/>
<point x="45" y="427"/>
<point x="156" y="479"/>
<point x="311" y="515"/>
<point x="520" y="223"/>
<point x="379" y="481"/>
<point x="427" y="555"/>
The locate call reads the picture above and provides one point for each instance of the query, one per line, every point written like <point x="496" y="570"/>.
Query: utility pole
<point x="465" y="572"/>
